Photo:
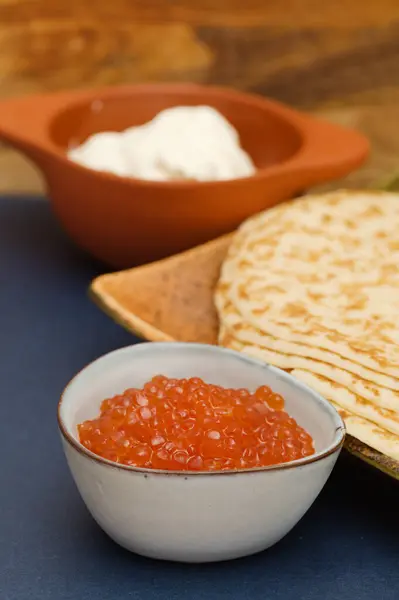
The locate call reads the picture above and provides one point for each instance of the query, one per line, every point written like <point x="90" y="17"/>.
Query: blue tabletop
<point x="346" y="547"/>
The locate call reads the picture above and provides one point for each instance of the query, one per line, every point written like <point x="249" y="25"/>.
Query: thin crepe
<point x="312" y="286"/>
<point x="322" y="271"/>
<point x="339" y="394"/>
<point x="367" y="432"/>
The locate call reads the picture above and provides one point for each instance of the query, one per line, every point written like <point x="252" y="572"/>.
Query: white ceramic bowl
<point x="196" y="517"/>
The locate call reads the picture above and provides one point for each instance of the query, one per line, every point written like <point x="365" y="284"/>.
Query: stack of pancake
<point x="312" y="286"/>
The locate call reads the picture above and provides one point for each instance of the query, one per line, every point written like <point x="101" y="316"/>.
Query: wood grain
<point x="334" y="56"/>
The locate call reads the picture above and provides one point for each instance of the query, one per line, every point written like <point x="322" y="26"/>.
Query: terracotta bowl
<point x="128" y="221"/>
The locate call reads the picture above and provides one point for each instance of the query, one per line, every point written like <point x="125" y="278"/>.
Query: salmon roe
<point x="187" y="424"/>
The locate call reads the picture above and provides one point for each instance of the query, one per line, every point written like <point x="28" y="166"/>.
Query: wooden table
<point x="336" y="58"/>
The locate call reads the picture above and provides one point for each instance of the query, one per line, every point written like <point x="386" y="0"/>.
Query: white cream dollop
<point x="184" y="142"/>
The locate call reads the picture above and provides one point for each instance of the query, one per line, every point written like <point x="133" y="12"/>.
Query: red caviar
<point x="187" y="424"/>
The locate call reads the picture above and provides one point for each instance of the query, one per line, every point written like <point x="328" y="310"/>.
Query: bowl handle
<point x="24" y="122"/>
<point x="328" y="152"/>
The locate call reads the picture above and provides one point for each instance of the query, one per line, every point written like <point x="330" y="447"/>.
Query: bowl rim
<point x="334" y="446"/>
<point x="287" y="115"/>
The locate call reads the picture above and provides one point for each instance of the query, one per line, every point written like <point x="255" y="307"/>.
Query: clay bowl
<point x="127" y="221"/>
<point x="172" y="300"/>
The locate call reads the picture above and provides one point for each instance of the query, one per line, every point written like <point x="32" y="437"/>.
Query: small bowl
<point x="124" y="221"/>
<point x="192" y="516"/>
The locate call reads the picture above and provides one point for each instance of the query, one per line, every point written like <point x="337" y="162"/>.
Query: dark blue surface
<point x="347" y="546"/>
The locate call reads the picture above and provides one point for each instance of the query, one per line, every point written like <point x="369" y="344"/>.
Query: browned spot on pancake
<point x="343" y="262"/>
<point x="379" y="358"/>
<point x="296" y="309"/>
<point x="333" y="383"/>
<point x="371" y="212"/>
<point x="387" y="435"/>
<point x="242" y="292"/>
<point x="259" y="312"/>
<point x="381" y="235"/>
<point x="359" y="347"/>
<point x="244" y="263"/>
<point x="388" y="270"/>
<point x="343" y="413"/>
<point x="314" y="296"/>
<point x="370" y="388"/>
<point x="387" y="340"/>
<point x="333" y="337"/>
<point x="350" y="322"/>
<point x="357" y="303"/>
<point x="385" y="413"/>
<point x="314" y="256"/>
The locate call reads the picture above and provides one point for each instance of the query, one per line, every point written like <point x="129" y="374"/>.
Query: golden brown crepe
<point x="312" y="286"/>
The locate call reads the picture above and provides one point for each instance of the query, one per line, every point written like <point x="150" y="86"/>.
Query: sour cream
<point x="180" y="143"/>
